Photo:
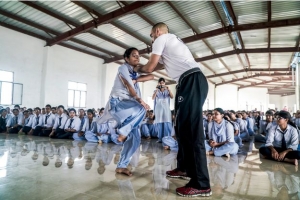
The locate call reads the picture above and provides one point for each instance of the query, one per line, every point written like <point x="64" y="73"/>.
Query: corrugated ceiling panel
<point x="216" y="65"/>
<point x="285" y="9"/>
<point x="285" y="36"/>
<point x="102" y="7"/>
<point x="87" y="37"/>
<point x="23" y="26"/>
<point x="199" y="49"/>
<point x="136" y="25"/>
<point x="220" y="43"/>
<point x="200" y="14"/>
<point x="68" y="9"/>
<point x="232" y="62"/>
<point x="117" y="34"/>
<point x="12" y="6"/>
<point x="85" y="48"/>
<point x="258" y="60"/>
<point x="255" y="38"/>
<point x="280" y="60"/>
<point x="111" y="47"/>
<point x="250" y="11"/>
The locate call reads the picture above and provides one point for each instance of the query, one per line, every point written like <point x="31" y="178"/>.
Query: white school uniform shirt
<point x="64" y="119"/>
<point x="175" y="55"/>
<point x="50" y="120"/>
<point x="13" y="121"/>
<point x="28" y="121"/>
<point x="276" y="134"/>
<point x="89" y="127"/>
<point x="74" y="125"/>
<point x="7" y="119"/>
<point x="37" y="121"/>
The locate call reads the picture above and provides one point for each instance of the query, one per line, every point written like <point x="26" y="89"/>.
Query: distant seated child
<point x="148" y="129"/>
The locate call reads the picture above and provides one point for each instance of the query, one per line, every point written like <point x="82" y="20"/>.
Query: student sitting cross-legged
<point x="148" y="129"/>
<point x="282" y="141"/>
<point x="90" y="125"/>
<point x="72" y="125"/>
<point x="15" y="122"/>
<point x="221" y="136"/>
<point x="4" y="120"/>
<point x="37" y="122"/>
<point x="60" y="121"/>
<point x="27" y="122"/>
<point x="48" y="122"/>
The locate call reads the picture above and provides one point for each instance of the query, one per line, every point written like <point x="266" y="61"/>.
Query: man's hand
<point x="281" y="155"/>
<point x="134" y="81"/>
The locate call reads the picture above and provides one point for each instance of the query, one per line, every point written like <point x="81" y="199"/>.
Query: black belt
<point x="186" y="74"/>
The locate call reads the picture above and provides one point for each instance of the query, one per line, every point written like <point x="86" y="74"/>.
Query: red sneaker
<point x="175" y="173"/>
<point x="193" y="192"/>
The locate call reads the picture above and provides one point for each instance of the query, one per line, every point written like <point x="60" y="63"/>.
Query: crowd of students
<point x="225" y="131"/>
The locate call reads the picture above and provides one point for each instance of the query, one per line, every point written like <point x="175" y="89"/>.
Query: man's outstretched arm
<point x="151" y="66"/>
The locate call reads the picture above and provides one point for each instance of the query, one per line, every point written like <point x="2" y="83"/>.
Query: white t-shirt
<point x="175" y="55"/>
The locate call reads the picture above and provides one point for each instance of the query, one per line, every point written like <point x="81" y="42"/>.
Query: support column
<point x="215" y="97"/>
<point x="44" y="77"/>
<point x="297" y="86"/>
<point x="102" y="85"/>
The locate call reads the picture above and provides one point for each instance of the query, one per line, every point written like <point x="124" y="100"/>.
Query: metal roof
<point x="205" y="27"/>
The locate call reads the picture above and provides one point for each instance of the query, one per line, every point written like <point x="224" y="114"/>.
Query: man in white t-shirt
<point x="170" y="52"/>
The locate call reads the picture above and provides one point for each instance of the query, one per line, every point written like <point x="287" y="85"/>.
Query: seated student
<point x="103" y="133"/>
<point x="37" y="123"/>
<point x="100" y="113"/>
<point x="90" y="124"/>
<point x="282" y="141"/>
<point x="221" y="136"/>
<point x="148" y="129"/>
<point x="82" y="117"/>
<point x="15" y="122"/>
<point x="53" y="110"/>
<point x="250" y="123"/>
<point x="72" y="125"/>
<point x="43" y="111"/>
<point x="170" y="142"/>
<point x="4" y="120"/>
<point x="236" y="129"/>
<point x="206" y="121"/>
<point x="48" y="122"/>
<point x="27" y="123"/>
<point x="60" y="121"/>
<point x="244" y="135"/>
<point x="265" y="126"/>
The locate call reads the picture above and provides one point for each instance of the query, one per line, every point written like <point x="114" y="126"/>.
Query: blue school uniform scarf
<point x="219" y="131"/>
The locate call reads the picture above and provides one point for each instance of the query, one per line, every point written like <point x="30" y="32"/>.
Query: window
<point x="76" y="94"/>
<point x="10" y="92"/>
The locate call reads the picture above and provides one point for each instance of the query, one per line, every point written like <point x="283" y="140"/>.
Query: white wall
<point x="254" y="97"/>
<point x="226" y="97"/>
<point x="45" y="71"/>
<point x="285" y="101"/>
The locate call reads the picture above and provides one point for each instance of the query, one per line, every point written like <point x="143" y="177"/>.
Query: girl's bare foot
<point x="124" y="171"/>
<point x="148" y="138"/>
<point x="99" y="141"/>
<point x="209" y="153"/>
<point x="121" y="138"/>
<point x="166" y="147"/>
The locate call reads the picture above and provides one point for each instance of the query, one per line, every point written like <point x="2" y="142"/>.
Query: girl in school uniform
<point x="127" y="108"/>
<point x="90" y="124"/>
<point x="148" y="129"/>
<point x="236" y="129"/>
<point x="282" y="141"/>
<point x="163" y="118"/>
<point x="206" y="121"/>
<point x="221" y="136"/>
<point x="243" y="132"/>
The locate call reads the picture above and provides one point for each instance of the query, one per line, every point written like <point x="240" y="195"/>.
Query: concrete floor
<point x="39" y="168"/>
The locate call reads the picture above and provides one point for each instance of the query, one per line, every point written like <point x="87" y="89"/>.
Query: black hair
<point x="25" y="111"/>
<point x="269" y="112"/>
<point x="227" y="114"/>
<point x="220" y="110"/>
<point x="128" y="52"/>
<point x="66" y="111"/>
<point x="53" y="108"/>
<point x="48" y="105"/>
<point x="61" y="106"/>
<point x="101" y="109"/>
<point x="90" y="111"/>
<point x="2" y="110"/>
<point x="17" y="106"/>
<point x="161" y="79"/>
<point x="37" y="108"/>
<point x="30" y="109"/>
<point x="72" y="109"/>
<point x="287" y="115"/>
<point x="15" y="109"/>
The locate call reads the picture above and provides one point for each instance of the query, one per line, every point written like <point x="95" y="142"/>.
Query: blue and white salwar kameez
<point x="244" y="135"/>
<point x="149" y="130"/>
<point x="126" y="111"/>
<point x="220" y="133"/>
<point x="163" y="118"/>
<point x="170" y="141"/>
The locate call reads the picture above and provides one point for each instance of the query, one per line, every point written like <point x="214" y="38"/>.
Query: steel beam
<point x="239" y="51"/>
<point x="247" y="70"/>
<point x="265" y="82"/>
<point x="229" y="29"/>
<point x="107" y="18"/>
<point x="252" y="76"/>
